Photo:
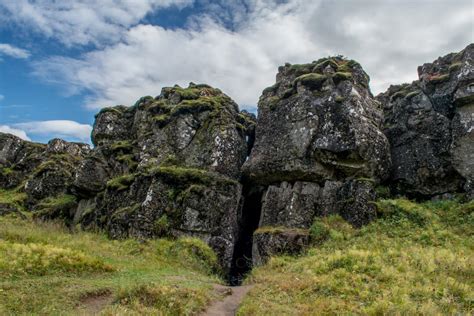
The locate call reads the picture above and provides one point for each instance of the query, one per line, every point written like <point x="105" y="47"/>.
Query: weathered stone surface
<point x="429" y="124"/>
<point x="173" y="201"/>
<point x="297" y="205"/>
<point x="319" y="122"/>
<point x="270" y="241"/>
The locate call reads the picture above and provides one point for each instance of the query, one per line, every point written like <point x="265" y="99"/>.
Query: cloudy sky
<point x="61" y="61"/>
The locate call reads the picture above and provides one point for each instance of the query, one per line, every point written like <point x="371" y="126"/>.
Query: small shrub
<point x="318" y="231"/>
<point x="161" y="226"/>
<point x="39" y="259"/>
<point x="403" y="209"/>
<point x="195" y="253"/>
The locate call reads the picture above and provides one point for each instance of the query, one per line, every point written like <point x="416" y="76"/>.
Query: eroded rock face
<point x="319" y="122"/>
<point x="168" y="166"/>
<point x="429" y="124"/>
<point x="319" y="148"/>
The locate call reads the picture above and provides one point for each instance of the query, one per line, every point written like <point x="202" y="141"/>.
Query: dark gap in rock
<point x="248" y="223"/>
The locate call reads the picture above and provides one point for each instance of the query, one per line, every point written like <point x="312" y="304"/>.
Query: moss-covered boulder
<point x="173" y="201"/>
<point x="319" y="122"/>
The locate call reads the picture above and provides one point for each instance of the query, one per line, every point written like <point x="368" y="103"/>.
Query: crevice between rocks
<point x="248" y="223"/>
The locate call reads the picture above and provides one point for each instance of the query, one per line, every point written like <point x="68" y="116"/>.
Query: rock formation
<point x="430" y="126"/>
<point x="188" y="162"/>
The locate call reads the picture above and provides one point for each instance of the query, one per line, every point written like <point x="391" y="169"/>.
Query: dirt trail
<point x="94" y="304"/>
<point x="228" y="306"/>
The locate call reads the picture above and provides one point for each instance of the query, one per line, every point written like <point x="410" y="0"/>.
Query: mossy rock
<point x="55" y="207"/>
<point x="436" y="79"/>
<point x="341" y="76"/>
<point x="182" y="175"/>
<point x="122" y="182"/>
<point x="312" y="80"/>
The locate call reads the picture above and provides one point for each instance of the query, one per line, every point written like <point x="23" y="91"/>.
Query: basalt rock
<point x="319" y="122"/>
<point x="188" y="162"/>
<point x="318" y="147"/>
<point x="430" y="126"/>
<point x="168" y="166"/>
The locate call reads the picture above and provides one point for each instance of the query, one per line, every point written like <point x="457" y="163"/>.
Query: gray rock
<point x="318" y="122"/>
<point x="429" y="124"/>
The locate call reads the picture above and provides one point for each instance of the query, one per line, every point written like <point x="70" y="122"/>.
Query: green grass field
<point x="45" y="270"/>
<point x="417" y="259"/>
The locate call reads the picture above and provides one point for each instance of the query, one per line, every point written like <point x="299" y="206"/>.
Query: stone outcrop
<point x="188" y="162"/>
<point x="430" y="126"/>
<point x="319" y="147"/>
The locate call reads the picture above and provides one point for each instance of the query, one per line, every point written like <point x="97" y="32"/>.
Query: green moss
<point x="143" y="100"/>
<point x="123" y="146"/>
<point x="271" y="89"/>
<point x="55" y="207"/>
<point x="435" y="79"/>
<point x="196" y="253"/>
<point x="126" y="211"/>
<point x="339" y="99"/>
<point x="129" y="160"/>
<point x="194" y="106"/>
<point x="311" y="80"/>
<point x="289" y="92"/>
<point x="188" y="93"/>
<point x="6" y="171"/>
<point x="383" y="192"/>
<point x="113" y="109"/>
<point x="14" y="198"/>
<point x="161" y="119"/>
<point x="122" y="182"/>
<point x="412" y="94"/>
<point x="300" y="69"/>
<point x="321" y="64"/>
<point x="184" y="175"/>
<point x="341" y="76"/>
<point x="280" y="230"/>
<point x="455" y="67"/>
<point x="272" y="102"/>
<point x="161" y="227"/>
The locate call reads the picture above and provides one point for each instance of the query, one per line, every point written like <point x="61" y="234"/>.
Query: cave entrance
<point x="248" y="223"/>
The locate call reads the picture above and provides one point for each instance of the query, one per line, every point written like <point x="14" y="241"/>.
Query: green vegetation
<point x="279" y="230"/>
<point x="416" y="259"/>
<point x="311" y="80"/>
<point x="438" y="78"/>
<point x="44" y="270"/>
<point x="55" y="207"/>
<point x="122" y="182"/>
<point x="455" y="67"/>
<point x="122" y="146"/>
<point x="143" y="100"/>
<point x="12" y="197"/>
<point x="341" y="76"/>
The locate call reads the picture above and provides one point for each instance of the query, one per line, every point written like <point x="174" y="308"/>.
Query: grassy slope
<point x="46" y="270"/>
<point x="416" y="259"/>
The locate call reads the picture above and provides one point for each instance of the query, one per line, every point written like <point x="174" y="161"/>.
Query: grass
<point x="122" y="182"/>
<point x="416" y="259"/>
<point x="45" y="270"/>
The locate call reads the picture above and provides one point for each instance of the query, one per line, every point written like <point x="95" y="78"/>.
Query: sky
<point x="61" y="61"/>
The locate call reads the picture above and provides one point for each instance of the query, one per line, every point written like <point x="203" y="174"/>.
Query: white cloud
<point x="389" y="38"/>
<point x="12" y="51"/>
<point x="70" y="130"/>
<point x="14" y="131"/>
<point x="81" y="21"/>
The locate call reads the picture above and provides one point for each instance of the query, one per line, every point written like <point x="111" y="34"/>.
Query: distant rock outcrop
<point x="188" y="162"/>
<point x="430" y="126"/>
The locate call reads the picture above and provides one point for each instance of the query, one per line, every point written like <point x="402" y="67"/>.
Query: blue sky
<point x="61" y="61"/>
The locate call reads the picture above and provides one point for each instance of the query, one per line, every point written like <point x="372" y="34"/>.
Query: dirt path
<point x="94" y="304"/>
<point x="228" y="306"/>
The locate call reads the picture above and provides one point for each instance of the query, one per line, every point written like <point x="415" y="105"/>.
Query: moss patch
<point x="122" y="182"/>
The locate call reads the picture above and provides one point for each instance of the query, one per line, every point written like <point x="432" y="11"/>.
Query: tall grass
<point x="416" y="259"/>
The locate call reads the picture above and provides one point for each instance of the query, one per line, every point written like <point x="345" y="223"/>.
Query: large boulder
<point x="319" y="149"/>
<point x="167" y="166"/>
<point x="429" y="124"/>
<point x="319" y="122"/>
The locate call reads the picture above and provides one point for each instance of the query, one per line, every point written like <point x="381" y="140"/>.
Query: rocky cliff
<point x="188" y="162"/>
